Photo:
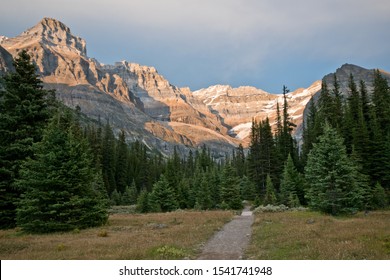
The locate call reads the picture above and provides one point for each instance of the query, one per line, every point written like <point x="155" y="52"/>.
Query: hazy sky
<point x="198" y="43"/>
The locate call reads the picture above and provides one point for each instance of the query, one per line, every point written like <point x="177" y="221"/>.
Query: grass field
<point x="175" y="235"/>
<point x="314" y="236"/>
<point x="180" y="235"/>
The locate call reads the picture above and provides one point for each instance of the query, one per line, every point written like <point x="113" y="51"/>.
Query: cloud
<point x="194" y="42"/>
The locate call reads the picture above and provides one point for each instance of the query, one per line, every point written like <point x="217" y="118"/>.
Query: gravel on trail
<point x="230" y="242"/>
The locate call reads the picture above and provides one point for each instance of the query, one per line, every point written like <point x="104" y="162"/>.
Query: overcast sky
<point x="198" y="43"/>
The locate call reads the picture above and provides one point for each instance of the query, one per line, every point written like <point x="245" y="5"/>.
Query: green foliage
<point x="163" y="197"/>
<point x="270" y="196"/>
<point x="115" y="198"/>
<point x="230" y="188"/>
<point x="247" y="189"/>
<point x="143" y="202"/>
<point x="25" y="108"/>
<point x="168" y="252"/>
<point x="121" y="162"/>
<point x="203" y="198"/>
<point x="108" y="159"/>
<point x="263" y="158"/>
<point x="291" y="186"/>
<point x="60" y="183"/>
<point x="335" y="185"/>
<point x="378" y="197"/>
<point x="129" y="197"/>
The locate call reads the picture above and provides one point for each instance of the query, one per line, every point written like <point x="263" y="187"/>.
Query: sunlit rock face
<point x="144" y="104"/>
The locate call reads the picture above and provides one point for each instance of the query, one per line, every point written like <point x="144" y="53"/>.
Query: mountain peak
<point x="54" y="31"/>
<point x="53" y="24"/>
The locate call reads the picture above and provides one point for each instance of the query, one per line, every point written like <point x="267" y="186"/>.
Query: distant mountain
<point x="139" y="100"/>
<point x="238" y="106"/>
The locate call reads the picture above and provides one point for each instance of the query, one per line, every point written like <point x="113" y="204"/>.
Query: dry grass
<point x="313" y="236"/>
<point x="172" y="235"/>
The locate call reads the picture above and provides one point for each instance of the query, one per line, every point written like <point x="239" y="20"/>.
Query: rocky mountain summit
<point x="142" y="102"/>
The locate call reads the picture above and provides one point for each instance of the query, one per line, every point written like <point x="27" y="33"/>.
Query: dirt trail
<point x="230" y="242"/>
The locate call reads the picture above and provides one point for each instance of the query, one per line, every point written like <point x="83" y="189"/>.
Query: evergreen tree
<point x="203" y="198"/>
<point x="311" y="130"/>
<point x="163" y="197"/>
<point x="238" y="161"/>
<point x="60" y="184"/>
<point x="263" y="157"/>
<point x="173" y="173"/>
<point x="115" y="197"/>
<point x="184" y="194"/>
<point x="108" y="158"/>
<point x="121" y="168"/>
<point x="334" y="181"/>
<point x="270" y="196"/>
<point x="144" y="202"/>
<point x="129" y="197"/>
<point x="247" y="188"/>
<point x="291" y="186"/>
<point x="325" y="105"/>
<point x="286" y="143"/>
<point x="230" y="188"/>
<point x="24" y="113"/>
<point x="381" y="102"/>
<point x="380" y="132"/>
<point x="378" y="197"/>
<point x="336" y="119"/>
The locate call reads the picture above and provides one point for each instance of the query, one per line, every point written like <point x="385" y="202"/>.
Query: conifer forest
<point x="61" y="171"/>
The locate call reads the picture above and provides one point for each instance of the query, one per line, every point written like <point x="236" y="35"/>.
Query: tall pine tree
<point x="334" y="182"/>
<point x="61" y="188"/>
<point x="24" y="112"/>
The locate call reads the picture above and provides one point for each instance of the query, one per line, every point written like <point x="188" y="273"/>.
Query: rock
<point x="5" y="61"/>
<point x="144" y="104"/>
<point x="310" y="221"/>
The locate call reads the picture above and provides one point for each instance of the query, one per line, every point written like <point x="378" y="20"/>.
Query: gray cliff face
<point x="5" y="61"/>
<point x="343" y="76"/>
<point x="359" y="73"/>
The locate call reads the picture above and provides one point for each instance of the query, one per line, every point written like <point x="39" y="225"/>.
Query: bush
<point x="276" y="208"/>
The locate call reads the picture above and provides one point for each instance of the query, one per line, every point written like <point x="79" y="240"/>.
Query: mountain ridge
<point x="141" y="101"/>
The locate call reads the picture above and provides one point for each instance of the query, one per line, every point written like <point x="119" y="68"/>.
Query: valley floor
<point x="314" y="236"/>
<point x="183" y="235"/>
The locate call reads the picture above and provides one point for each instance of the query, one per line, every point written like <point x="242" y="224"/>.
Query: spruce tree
<point x="24" y="113"/>
<point x="270" y="196"/>
<point x="61" y="188"/>
<point x="108" y="158"/>
<point x="230" y="188"/>
<point x="337" y="113"/>
<point x="121" y="169"/>
<point x="381" y="102"/>
<point x="311" y="130"/>
<point x="203" y="198"/>
<point x="129" y="197"/>
<point x="115" y="198"/>
<point x="238" y="161"/>
<point x="163" y="198"/>
<point x="144" y="202"/>
<point x="334" y="182"/>
<point x="325" y="105"/>
<point x="291" y="186"/>
<point x="247" y="188"/>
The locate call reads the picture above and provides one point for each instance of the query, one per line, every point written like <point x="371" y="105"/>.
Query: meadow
<point x="181" y="234"/>
<point x="315" y="236"/>
<point x="174" y="235"/>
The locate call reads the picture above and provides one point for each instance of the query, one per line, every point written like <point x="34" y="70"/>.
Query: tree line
<point x="61" y="172"/>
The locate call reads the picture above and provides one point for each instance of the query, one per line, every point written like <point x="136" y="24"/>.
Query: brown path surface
<point x="230" y="242"/>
